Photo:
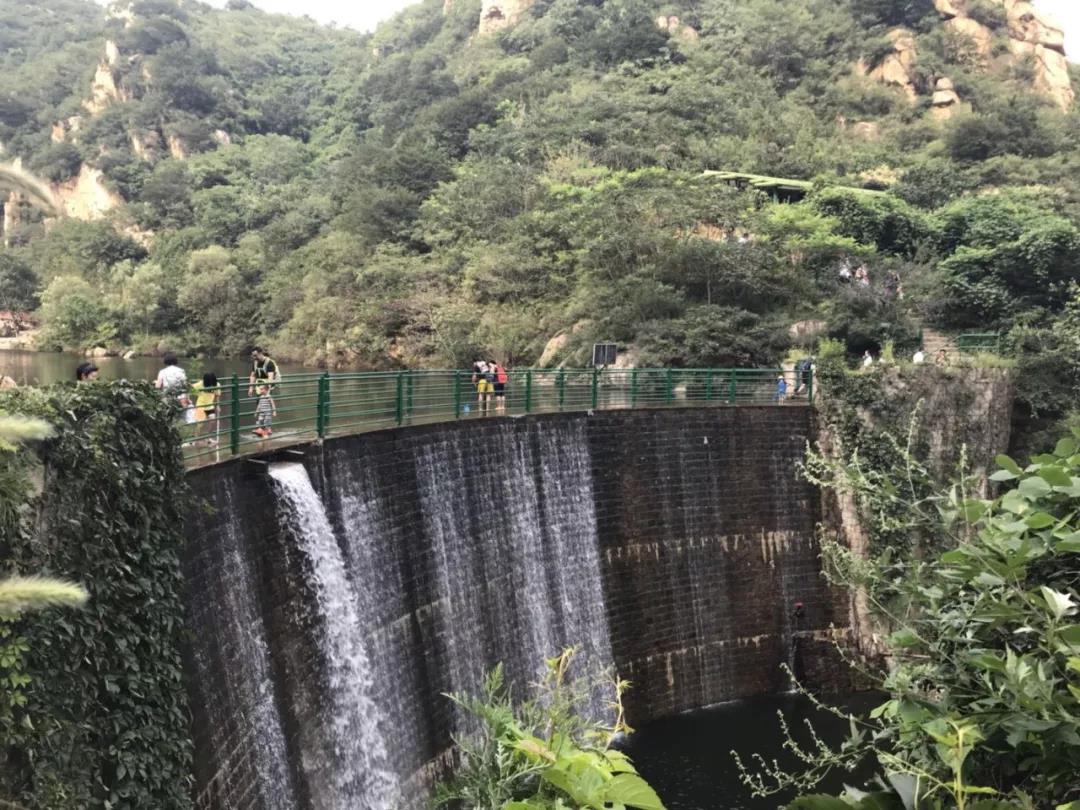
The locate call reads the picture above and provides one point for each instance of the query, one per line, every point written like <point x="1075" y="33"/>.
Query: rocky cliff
<point x="1024" y="34"/>
<point x="496" y="15"/>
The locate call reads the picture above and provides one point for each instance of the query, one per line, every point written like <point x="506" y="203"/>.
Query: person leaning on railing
<point x="263" y="370"/>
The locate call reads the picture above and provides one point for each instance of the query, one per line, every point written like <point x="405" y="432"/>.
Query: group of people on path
<point x="802" y="373"/>
<point x="919" y="358"/>
<point x="200" y="402"/>
<point x="490" y="379"/>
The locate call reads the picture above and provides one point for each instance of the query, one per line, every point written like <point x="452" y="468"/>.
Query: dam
<point x="338" y="590"/>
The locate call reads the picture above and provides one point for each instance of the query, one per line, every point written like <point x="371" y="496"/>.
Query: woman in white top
<point x="172" y="379"/>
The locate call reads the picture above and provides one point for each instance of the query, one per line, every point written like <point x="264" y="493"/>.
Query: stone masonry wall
<point x="704" y="534"/>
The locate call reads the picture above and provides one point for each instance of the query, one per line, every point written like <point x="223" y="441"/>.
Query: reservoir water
<point x="44" y="368"/>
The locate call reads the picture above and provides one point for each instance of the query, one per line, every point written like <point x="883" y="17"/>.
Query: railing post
<point x="408" y="394"/>
<point x="560" y="382"/>
<point x="320" y="405"/>
<point x="633" y="388"/>
<point x="528" y="391"/>
<point x="234" y="417"/>
<point x="669" y="387"/>
<point x="595" y="388"/>
<point x="810" y="385"/>
<point x="399" y="401"/>
<point x="708" y="385"/>
<point x="732" y="385"/>
<point x="457" y="394"/>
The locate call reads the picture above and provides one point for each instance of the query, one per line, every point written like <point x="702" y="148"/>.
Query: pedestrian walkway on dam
<point x="306" y="407"/>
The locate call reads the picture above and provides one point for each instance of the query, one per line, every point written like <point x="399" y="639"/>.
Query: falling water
<point x="574" y="579"/>
<point x="517" y="564"/>
<point x="357" y="777"/>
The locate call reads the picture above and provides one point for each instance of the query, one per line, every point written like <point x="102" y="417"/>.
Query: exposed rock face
<point x="69" y="126"/>
<point x="85" y="196"/>
<point x="177" y="148"/>
<point x="867" y="130"/>
<point x="1031" y="36"/>
<point x="495" y="15"/>
<point x="674" y="26"/>
<point x="897" y="68"/>
<point x="12" y="218"/>
<point x="979" y="35"/>
<point x="804" y="333"/>
<point x="945" y="99"/>
<point x="146" y="144"/>
<point x="104" y="90"/>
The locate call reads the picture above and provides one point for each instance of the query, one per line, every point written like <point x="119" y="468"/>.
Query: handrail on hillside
<point x="305" y="407"/>
<point x="972" y="342"/>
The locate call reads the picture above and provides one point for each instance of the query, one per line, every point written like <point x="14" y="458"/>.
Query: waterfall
<point x="517" y="571"/>
<point x="573" y="569"/>
<point x="351" y="773"/>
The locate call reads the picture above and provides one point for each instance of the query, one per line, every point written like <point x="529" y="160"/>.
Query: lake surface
<point x="687" y="758"/>
<point x="44" y="368"/>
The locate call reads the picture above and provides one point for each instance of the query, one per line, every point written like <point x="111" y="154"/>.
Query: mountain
<point x="525" y="177"/>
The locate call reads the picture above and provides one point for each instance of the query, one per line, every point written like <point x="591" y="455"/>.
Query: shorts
<point x="484" y="387"/>
<point x="500" y="388"/>
<point x="264" y="419"/>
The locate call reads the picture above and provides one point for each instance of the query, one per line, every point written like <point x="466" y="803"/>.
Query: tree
<point x="74" y="315"/>
<point x="18" y="287"/>
<point x="217" y="303"/>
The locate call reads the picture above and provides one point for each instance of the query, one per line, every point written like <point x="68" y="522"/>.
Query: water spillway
<point x="335" y="598"/>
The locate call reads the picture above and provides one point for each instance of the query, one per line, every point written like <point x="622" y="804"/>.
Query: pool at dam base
<point x="687" y="757"/>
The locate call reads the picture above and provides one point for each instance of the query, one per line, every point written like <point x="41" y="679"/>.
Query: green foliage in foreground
<point x="93" y="710"/>
<point x="984" y="650"/>
<point x="541" y="754"/>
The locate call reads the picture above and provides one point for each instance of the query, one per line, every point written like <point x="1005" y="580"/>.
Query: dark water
<point x="43" y="368"/>
<point x="687" y="757"/>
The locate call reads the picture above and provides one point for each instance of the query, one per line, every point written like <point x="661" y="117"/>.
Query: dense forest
<point x="429" y="191"/>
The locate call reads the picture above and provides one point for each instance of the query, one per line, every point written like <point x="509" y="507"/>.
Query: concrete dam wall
<point x="335" y="595"/>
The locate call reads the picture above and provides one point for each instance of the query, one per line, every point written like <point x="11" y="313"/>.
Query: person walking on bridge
<point x="263" y="370"/>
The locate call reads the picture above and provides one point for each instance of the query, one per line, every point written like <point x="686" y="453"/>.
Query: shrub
<point x="984" y="650"/>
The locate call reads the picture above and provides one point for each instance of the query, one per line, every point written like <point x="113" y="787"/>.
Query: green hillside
<point x="428" y="192"/>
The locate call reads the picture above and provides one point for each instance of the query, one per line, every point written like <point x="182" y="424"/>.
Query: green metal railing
<point x="972" y="342"/>
<point x="312" y="406"/>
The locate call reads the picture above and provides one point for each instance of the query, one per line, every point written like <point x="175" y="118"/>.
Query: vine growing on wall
<point x="102" y="713"/>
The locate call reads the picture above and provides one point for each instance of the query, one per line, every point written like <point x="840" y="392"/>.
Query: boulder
<point x="945" y="99"/>
<point x="552" y="349"/>
<point x="1027" y="25"/>
<point x="1051" y="71"/>
<point x="130" y="354"/>
<point x="979" y="35"/>
<point x="950" y="8"/>
<point x="7" y="382"/>
<point x="897" y="68"/>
